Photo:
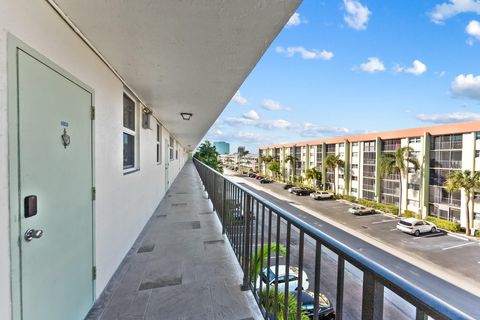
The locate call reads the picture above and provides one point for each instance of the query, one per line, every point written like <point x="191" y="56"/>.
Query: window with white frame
<point x="413" y="203"/>
<point x="159" y="144"/>
<point x="354" y="190"/>
<point x="354" y="154"/>
<point x="171" y="147"/>
<point x="129" y="133"/>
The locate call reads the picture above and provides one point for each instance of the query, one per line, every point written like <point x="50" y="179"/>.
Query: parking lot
<point x="454" y="255"/>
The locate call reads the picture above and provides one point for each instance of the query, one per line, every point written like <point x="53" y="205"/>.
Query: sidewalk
<point x="180" y="267"/>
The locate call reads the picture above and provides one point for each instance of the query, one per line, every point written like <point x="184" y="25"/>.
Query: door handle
<point x="31" y="234"/>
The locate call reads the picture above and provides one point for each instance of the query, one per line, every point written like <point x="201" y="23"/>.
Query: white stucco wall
<point x="4" y="221"/>
<point x="121" y="213"/>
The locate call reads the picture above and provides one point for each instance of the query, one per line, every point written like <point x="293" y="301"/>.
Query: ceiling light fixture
<point x="186" y="115"/>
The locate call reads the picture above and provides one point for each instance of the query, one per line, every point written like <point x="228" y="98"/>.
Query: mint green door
<point x="56" y="267"/>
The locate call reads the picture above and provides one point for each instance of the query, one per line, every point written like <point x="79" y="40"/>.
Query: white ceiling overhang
<point x="181" y="55"/>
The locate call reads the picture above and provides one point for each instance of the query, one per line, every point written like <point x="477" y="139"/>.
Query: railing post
<point x="372" y="297"/>
<point x="246" y="243"/>
<point x="224" y="204"/>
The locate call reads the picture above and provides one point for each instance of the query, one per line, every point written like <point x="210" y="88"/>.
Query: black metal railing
<point x="282" y="257"/>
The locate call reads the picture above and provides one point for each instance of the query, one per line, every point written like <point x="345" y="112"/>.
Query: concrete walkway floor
<point x="180" y="267"/>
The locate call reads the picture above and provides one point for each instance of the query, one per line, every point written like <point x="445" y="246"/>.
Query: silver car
<point x="361" y="210"/>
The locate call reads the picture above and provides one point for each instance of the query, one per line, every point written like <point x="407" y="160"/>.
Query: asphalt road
<point x="447" y="252"/>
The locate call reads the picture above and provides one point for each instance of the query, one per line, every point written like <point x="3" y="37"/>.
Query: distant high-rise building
<point x="241" y="149"/>
<point x="222" y="147"/>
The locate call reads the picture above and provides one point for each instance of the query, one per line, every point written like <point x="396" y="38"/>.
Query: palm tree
<point x="291" y="305"/>
<point x="261" y="258"/>
<point x="207" y="153"/>
<point x="274" y="168"/>
<point x="398" y="163"/>
<point x="332" y="162"/>
<point x="468" y="181"/>
<point x="313" y="174"/>
<point x="291" y="159"/>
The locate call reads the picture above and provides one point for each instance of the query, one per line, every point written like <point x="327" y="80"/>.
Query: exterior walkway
<point x="180" y="267"/>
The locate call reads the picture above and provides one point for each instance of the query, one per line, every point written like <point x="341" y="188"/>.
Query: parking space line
<point x="383" y="221"/>
<point x="458" y="245"/>
<point x="458" y="237"/>
<point x="394" y="229"/>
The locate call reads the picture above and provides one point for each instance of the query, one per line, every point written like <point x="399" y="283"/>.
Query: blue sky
<point x="346" y="67"/>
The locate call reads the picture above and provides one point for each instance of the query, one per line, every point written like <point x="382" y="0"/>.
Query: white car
<point x="416" y="226"/>
<point x="321" y="195"/>
<point x="293" y="189"/>
<point x="361" y="210"/>
<point x="268" y="277"/>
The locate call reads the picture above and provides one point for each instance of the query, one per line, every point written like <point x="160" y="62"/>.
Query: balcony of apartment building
<point x="157" y="236"/>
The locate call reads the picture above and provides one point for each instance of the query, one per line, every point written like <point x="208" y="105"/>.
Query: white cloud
<point x="304" y="53"/>
<point x="373" y="65"/>
<point x="252" y="115"/>
<point x="417" y="68"/>
<point x="295" y="20"/>
<point x="356" y="15"/>
<point x="449" y="117"/>
<point x="440" y="74"/>
<point x="473" y="29"/>
<point x="467" y="86"/>
<point x="263" y="124"/>
<point x="239" y="99"/>
<point x="308" y="129"/>
<point x="271" y="105"/>
<point x="446" y="10"/>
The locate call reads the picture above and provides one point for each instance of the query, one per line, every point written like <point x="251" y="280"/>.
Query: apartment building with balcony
<point x="439" y="150"/>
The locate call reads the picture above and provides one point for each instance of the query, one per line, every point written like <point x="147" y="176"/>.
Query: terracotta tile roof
<point x="452" y="128"/>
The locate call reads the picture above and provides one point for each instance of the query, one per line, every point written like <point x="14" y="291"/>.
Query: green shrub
<point x="445" y="224"/>
<point x="378" y="206"/>
<point x="477" y="233"/>
<point x="411" y="214"/>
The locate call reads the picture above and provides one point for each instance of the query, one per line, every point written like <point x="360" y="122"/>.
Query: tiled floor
<point x="180" y="267"/>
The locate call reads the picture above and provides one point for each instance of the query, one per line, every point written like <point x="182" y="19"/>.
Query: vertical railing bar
<point x="287" y="270"/>
<point x="243" y="228"/>
<point x="372" y="297"/>
<point x="277" y="257"/>
<point x="255" y="265"/>
<point x="300" y="275"/>
<point x="316" y="290"/>
<point x="420" y="314"/>
<point x="269" y="244"/>
<point x="224" y="200"/>
<point x="262" y="250"/>
<point x="252" y="241"/>
<point x="340" y="285"/>
<point x="246" y="243"/>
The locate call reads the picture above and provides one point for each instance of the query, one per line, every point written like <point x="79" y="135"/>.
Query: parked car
<point x="361" y="210"/>
<point x="416" y="226"/>
<point x="320" y="195"/>
<point x="303" y="191"/>
<point x="252" y="175"/>
<point x="238" y="214"/>
<point x="288" y="186"/>
<point x="266" y="180"/>
<point x="292" y="189"/>
<point x="325" y="308"/>
<point x="268" y="277"/>
<point x="258" y="177"/>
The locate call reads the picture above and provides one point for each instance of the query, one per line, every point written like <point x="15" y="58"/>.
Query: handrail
<point x="420" y="298"/>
